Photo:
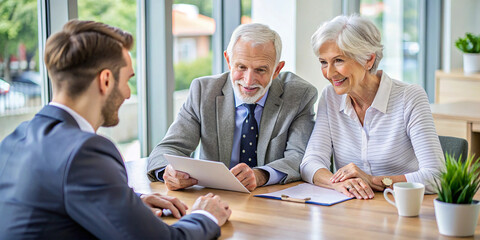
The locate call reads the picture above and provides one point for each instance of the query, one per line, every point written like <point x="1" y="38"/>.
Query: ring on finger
<point x="348" y="188"/>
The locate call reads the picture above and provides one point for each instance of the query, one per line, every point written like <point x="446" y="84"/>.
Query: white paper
<point x="208" y="173"/>
<point x="317" y="195"/>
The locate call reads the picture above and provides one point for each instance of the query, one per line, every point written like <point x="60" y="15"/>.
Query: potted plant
<point x="470" y="46"/>
<point x="455" y="210"/>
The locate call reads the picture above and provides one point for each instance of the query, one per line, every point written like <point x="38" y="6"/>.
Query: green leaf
<point x="461" y="197"/>
<point x="469" y="44"/>
<point x="459" y="181"/>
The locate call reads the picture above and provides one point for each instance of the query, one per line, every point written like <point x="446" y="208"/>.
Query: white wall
<point x="459" y="17"/>
<point x="279" y="15"/>
<point x="310" y="15"/>
<point x="295" y="22"/>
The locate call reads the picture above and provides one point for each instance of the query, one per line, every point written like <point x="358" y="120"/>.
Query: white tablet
<point x="208" y="173"/>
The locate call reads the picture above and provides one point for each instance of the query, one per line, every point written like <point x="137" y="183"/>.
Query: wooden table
<point x="459" y="119"/>
<point x="260" y="218"/>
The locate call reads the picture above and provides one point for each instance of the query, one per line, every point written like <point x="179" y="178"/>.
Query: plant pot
<point x="471" y="63"/>
<point x="459" y="220"/>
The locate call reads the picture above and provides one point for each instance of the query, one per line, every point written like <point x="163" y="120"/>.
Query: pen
<point x="290" y="199"/>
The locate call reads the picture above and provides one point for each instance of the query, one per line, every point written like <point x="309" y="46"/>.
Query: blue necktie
<point x="248" y="142"/>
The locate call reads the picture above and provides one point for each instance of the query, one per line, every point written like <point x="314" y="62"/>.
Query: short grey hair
<point x="356" y="36"/>
<point x="256" y="33"/>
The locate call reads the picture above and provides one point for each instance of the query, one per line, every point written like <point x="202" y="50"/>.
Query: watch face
<point x="387" y="181"/>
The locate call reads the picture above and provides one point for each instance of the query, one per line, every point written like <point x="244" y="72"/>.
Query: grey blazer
<point x="208" y="116"/>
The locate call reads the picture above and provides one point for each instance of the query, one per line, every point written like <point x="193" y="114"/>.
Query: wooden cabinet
<point x="456" y="86"/>
<point x="459" y="119"/>
<point x="456" y="111"/>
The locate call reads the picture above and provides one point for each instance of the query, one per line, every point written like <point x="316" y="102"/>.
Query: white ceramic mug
<point x="408" y="197"/>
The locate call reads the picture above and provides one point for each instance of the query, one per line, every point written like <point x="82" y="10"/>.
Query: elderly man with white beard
<point x="254" y="119"/>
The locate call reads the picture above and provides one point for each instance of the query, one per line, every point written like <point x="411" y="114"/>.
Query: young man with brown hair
<point x="59" y="180"/>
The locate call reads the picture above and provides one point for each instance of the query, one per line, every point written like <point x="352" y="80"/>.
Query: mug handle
<point x="385" y="195"/>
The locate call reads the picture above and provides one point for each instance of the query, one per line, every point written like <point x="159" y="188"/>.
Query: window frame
<point x="430" y="29"/>
<point x="155" y="81"/>
<point x="49" y="24"/>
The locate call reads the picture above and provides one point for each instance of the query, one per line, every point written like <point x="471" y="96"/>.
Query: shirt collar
<point x="82" y="122"/>
<point x="380" y="102"/>
<point x="347" y="107"/>
<point x="261" y="102"/>
<point x="343" y="104"/>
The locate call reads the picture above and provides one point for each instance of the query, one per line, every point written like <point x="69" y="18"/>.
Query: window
<point x="193" y="28"/>
<point x="185" y="50"/>
<point x="122" y="14"/>
<point x="20" y="81"/>
<point x="399" y="24"/>
<point x="246" y="6"/>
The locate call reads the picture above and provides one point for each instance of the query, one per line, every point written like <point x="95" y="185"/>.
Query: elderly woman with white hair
<point x="379" y="130"/>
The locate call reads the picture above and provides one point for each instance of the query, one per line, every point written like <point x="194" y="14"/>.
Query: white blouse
<point x="398" y="136"/>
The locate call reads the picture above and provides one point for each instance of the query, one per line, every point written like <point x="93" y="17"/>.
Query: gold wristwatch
<point x="387" y="182"/>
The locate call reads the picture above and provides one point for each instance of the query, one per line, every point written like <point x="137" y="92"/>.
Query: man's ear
<point x="105" y="81"/>
<point x="227" y="59"/>
<point x="279" y="67"/>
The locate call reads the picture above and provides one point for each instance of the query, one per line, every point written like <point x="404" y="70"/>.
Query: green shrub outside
<point x="185" y="72"/>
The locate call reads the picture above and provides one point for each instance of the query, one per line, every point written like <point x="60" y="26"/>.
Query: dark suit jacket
<point x="208" y="116"/>
<point x="58" y="182"/>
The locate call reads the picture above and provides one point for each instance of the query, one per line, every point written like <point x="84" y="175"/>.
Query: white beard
<point x="246" y="98"/>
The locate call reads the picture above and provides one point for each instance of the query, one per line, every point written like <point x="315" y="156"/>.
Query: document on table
<point x="208" y="173"/>
<point x="308" y="193"/>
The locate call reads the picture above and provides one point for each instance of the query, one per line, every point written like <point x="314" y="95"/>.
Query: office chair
<point x="454" y="146"/>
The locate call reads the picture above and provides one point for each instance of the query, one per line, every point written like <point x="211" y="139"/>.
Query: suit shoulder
<point x="81" y="141"/>
<point x="71" y="138"/>
<point x="209" y="82"/>
<point x="99" y="145"/>
<point x="293" y="82"/>
<point x="99" y="141"/>
<point x="94" y="150"/>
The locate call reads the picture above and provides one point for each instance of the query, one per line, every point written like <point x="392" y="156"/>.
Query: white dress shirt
<point x="398" y="135"/>
<point x="82" y="122"/>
